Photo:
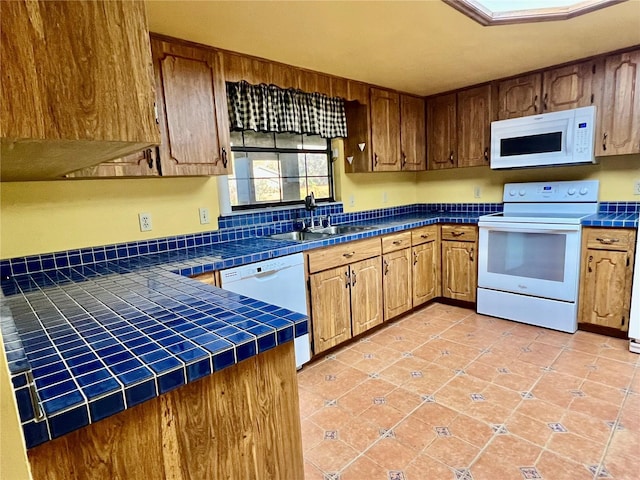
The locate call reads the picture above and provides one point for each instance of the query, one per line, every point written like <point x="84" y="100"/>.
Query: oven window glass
<point x="542" y="143"/>
<point x="531" y="255"/>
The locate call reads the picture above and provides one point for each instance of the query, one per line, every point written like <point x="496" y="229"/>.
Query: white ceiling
<point x="422" y="47"/>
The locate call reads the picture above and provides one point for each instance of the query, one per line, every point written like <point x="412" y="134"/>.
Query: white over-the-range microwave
<point x="557" y="138"/>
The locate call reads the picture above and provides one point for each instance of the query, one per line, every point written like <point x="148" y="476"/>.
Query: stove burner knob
<point x="512" y="193"/>
<point x="584" y="191"/>
<point x="571" y="191"/>
<point x="522" y="192"/>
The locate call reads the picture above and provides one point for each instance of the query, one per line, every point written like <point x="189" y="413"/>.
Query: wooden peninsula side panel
<point x="240" y="423"/>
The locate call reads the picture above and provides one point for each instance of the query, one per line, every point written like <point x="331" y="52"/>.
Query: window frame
<point x="278" y="150"/>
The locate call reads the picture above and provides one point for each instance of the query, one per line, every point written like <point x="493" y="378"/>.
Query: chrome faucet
<point x="310" y="206"/>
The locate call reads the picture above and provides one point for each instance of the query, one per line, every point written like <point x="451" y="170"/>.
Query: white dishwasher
<point x="280" y="282"/>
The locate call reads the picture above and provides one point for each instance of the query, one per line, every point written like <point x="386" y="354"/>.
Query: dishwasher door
<point x="280" y="282"/>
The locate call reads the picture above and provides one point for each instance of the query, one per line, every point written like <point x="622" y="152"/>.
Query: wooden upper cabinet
<point x="340" y="87"/>
<point x="441" y="132"/>
<point x="568" y="87"/>
<point x="413" y="131"/>
<point x="192" y="109"/>
<point x="519" y="97"/>
<point x="619" y="116"/>
<point x="284" y="76"/>
<point x="237" y="67"/>
<point x="475" y="113"/>
<point x="385" y="130"/>
<point x="58" y="114"/>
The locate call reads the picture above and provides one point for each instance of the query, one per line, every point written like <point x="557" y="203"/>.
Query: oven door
<point x="539" y="260"/>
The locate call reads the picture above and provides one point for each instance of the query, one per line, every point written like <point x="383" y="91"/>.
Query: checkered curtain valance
<point x="268" y="108"/>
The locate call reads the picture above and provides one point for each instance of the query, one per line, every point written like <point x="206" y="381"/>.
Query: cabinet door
<point x="366" y="295"/>
<point x="396" y="283"/>
<point x="475" y="114"/>
<point x="330" y="308"/>
<point x="412" y="133"/>
<point x="191" y="99"/>
<point x="520" y="96"/>
<point x="606" y="281"/>
<point x="568" y="87"/>
<point x="459" y="275"/>
<point x="619" y="115"/>
<point x="139" y="164"/>
<point x="385" y="130"/>
<point x="442" y="140"/>
<point x="425" y="272"/>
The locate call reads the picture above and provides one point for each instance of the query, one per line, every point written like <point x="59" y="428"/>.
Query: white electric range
<point x="529" y="255"/>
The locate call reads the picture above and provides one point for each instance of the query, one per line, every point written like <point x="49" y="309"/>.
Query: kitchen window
<point x="272" y="169"/>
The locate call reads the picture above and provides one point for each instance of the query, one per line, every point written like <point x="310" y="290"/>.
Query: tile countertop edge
<point x="69" y="418"/>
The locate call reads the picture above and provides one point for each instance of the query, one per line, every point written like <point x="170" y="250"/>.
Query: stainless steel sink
<point x="319" y="233"/>
<point x="341" y="229"/>
<point x="300" y="236"/>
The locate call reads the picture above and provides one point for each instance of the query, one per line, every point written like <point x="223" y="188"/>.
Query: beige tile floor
<point x="445" y="393"/>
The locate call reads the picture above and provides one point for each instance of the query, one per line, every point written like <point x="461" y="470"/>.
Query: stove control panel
<point x="537" y="192"/>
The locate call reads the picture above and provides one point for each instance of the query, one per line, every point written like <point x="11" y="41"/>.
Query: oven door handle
<point x="529" y="229"/>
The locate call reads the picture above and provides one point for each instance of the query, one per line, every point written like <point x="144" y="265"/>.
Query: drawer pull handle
<point x="415" y="258"/>
<point x="348" y="283"/>
<point x="386" y="267"/>
<point x="397" y="242"/>
<point x="589" y="263"/>
<point x="457" y="234"/>
<point x="608" y="241"/>
<point x="348" y="255"/>
<point x="471" y="254"/>
<point x="353" y="276"/>
<point x="424" y="235"/>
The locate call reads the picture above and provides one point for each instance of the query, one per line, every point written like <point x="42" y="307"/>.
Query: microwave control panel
<point x="584" y="135"/>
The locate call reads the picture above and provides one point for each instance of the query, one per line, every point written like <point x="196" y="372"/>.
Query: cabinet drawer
<point x="396" y="241"/>
<point x="461" y="233"/>
<point x="344" y="254"/>
<point x="610" y="238"/>
<point x="424" y="234"/>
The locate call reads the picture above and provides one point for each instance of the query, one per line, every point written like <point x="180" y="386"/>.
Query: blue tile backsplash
<point x="97" y="330"/>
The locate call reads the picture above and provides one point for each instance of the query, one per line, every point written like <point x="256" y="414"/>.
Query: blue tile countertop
<point x="98" y="330"/>
<point x="615" y="214"/>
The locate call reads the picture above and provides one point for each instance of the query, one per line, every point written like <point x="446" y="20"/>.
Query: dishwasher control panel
<point x="260" y="268"/>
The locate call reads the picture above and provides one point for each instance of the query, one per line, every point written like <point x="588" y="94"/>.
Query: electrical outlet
<point x="145" y="222"/>
<point x="636" y="188"/>
<point x="204" y="215"/>
<point x="352" y="200"/>
<point x="385" y="197"/>
<point x="477" y="191"/>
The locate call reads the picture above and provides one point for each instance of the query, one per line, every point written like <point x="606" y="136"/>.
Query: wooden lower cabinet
<point x="605" y="281"/>
<point x="459" y="265"/>
<point x="240" y="422"/>
<point x="425" y="272"/>
<point x="397" y="283"/>
<point x="210" y="278"/>
<point x="330" y="307"/>
<point x="366" y="295"/>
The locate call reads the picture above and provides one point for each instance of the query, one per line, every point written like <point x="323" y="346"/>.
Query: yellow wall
<point x="616" y="174"/>
<point x="40" y="217"/>
<point x="13" y="458"/>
